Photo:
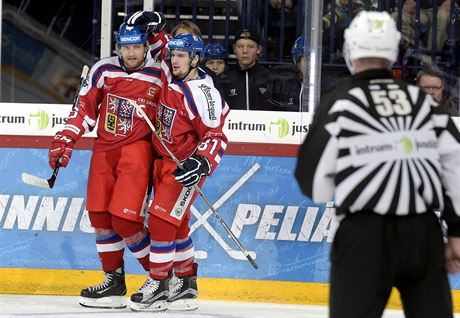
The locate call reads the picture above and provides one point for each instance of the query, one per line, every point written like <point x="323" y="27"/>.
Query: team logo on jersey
<point x="119" y="115"/>
<point x="151" y="91"/>
<point x="165" y="120"/>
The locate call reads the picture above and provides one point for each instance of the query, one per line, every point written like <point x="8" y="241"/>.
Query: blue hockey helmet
<point x="191" y="43"/>
<point x="131" y="35"/>
<point x="215" y="51"/>
<point x="297" y="49"/>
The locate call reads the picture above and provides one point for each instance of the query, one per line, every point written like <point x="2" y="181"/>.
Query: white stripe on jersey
<point x="136" y="75"/>
<point x="413" y="93"/>
<point x="359" y="94"/>
<point x="346" y="105"/>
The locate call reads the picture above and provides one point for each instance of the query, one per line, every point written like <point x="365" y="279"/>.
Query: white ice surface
<point x="67" y="306"/>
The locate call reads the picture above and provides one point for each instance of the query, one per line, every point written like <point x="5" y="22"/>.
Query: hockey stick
<point x="205" y="199"/>
<point x="235" y="254"/>
<point x="226" y="195"/>
<point x="49" y="183"/>
<point x="202" y="218"/>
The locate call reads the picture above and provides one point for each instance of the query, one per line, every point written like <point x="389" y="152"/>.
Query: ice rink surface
<point x="67" y="306"/>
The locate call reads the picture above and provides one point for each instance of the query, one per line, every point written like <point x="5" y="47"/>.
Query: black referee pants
<point x="372" y="253"/>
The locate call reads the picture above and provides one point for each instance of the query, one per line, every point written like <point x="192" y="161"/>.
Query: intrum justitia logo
<point x="279" y="127"/>
<point x="38" y="120"/>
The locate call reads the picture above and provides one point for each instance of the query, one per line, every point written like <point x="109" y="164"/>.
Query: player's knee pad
<point x="126" y="228"/>
<point x="161" y="230"/>
<point x="100" y="219"/>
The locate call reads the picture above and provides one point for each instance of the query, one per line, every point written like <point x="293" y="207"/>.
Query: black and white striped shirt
<point x="381" y="145"/>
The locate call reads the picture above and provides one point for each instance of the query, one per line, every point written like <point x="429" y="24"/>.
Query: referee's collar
<point x="370" y="74"/>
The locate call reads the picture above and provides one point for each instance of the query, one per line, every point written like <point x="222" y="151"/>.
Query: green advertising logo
<point x="407" y="144"/>
<point x="279" y="127"/>
<point x="39" y="120"/>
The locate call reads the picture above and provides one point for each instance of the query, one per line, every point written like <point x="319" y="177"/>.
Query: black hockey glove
<point x="150" y="21"/>
<point x="195" y="168"/>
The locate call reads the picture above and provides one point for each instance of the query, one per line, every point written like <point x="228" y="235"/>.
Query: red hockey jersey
<point x="190" y="117"/>
<point x="108" y="97"/>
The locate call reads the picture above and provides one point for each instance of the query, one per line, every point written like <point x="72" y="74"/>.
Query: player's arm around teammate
<point x="121" y="161"/>
<point x="189" y="121"/>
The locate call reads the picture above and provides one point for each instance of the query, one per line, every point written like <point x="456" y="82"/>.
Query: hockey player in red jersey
<point x="190" y="118"/>
<point x="122" y="158"/>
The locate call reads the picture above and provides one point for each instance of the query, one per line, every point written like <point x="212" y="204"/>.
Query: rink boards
<point x="47" y="244"/>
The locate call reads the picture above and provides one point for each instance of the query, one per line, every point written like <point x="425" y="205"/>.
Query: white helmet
<point x="371" y="34"/>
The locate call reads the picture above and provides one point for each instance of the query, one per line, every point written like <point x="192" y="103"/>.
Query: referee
<point x="388" y="157"/>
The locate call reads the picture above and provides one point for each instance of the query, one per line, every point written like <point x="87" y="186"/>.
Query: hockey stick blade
<point x="44" y="183"/>
<point x="40" y="182"/>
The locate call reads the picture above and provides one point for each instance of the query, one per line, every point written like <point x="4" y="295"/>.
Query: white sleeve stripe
<point x="72" y="128"/>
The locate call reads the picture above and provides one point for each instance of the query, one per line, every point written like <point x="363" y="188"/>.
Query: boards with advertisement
<point x="287" y="234"/>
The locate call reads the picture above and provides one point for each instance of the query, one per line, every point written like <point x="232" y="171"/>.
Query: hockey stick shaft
<point x="205" y="199"/>
<point x="36" y="181"/>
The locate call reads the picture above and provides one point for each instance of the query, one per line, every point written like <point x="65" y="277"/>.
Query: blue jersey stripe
<point x="189" y="97"/>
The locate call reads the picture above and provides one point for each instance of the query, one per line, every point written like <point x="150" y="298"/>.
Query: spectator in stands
<point x="215" y="63"/>
<point x="431" y="81"/>
<point x="345" y="11"/>
<point x="186" y="27"/>
<point x="215" y="58"/>
<point x="247" y="83"/>
<point x="453" y="103"/>
<point x="292" y="10"/>
<point x="426" y="15"/>
<point x="287" y="90"/>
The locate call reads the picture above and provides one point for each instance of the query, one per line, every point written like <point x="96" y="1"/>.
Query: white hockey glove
<point x="149" y="21"/>
<point x="194" y="168"/>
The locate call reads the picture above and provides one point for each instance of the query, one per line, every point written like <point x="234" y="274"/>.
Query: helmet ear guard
<point x="371" y="34"/>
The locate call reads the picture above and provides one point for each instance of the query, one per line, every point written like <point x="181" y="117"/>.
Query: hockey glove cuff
<point x="60" y="150"/>
<point x="149" y="21"/>
<point x="194" y="168"/>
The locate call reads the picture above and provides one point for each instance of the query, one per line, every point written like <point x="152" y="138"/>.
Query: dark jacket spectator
<point x="247" y="85"/>
<point x="248" y="89"/>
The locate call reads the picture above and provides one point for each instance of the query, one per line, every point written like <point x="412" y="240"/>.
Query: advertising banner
<point x="241" y="126"/>
<point x="287" y="235"/>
